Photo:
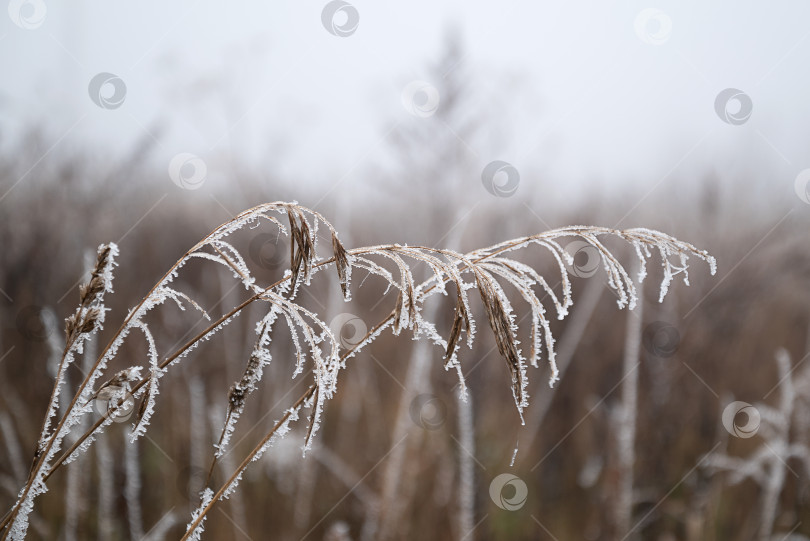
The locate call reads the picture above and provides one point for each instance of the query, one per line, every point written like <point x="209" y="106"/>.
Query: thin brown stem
<point x="247" y="460"/>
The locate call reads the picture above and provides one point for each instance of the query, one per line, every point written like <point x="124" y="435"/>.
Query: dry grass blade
<point x="461" y="321"/>
<point x="342" y="265"/>
<point x="503" y="328"/>
<point x="302" y="244"/>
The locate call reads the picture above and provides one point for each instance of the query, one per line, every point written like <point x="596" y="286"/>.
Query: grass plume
<point x="319" y="354"/>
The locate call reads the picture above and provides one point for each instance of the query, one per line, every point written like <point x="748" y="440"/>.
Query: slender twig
<point x="298" y="403"/>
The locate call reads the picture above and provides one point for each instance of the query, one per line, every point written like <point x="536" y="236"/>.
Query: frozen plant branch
<point x="318" y="353"/>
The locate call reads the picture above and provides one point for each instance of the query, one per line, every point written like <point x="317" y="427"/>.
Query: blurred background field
<point x="606" y="122"/>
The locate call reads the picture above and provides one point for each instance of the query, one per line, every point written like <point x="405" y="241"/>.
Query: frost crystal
<point x="207" y="497"/>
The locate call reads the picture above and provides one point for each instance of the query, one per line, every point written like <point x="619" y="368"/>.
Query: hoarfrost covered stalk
<point x="626" y="437"/>
<point x="767" y="465"/>
<point x="317" y="351"/>
<point x="239" y="515"/>
<point x="466" y="484"/>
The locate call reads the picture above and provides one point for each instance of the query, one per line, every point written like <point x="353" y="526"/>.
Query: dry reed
<point x="488" y="270"/>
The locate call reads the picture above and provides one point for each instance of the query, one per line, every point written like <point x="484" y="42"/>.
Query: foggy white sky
<point x="577" y="92"/>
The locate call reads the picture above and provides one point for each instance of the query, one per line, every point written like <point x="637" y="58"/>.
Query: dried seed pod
<point x="236" y="397"/>
<point x="341" y="264"/>
<point x="461" y="321"/>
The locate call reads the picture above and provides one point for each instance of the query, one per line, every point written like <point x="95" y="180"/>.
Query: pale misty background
<point x="572" y="93"/>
